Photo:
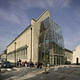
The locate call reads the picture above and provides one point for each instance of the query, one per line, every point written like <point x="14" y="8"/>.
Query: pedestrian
<point x="19" y="62"/>
<point x="25" y="63"/>
<point x="37" y="64"/>
<point x="30" y="63"/>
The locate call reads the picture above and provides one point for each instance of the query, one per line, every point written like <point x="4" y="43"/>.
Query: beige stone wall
<point x="36" y="29"/>
<point x="3" y="56"/>
<point x="10" y="57"/>
<point x="22" y="40"/>
<point x="69" y="55"/>
<point x="76" y="54"/>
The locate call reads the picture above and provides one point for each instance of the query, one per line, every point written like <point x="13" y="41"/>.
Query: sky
<point x="16" y="15"/>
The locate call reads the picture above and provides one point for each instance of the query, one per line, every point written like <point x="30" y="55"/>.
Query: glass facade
<point x="51" y="44"/>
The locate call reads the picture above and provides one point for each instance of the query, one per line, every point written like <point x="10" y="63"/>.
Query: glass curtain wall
<point x="51" y="44"/>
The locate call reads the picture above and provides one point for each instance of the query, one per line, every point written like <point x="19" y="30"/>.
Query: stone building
<point x="76" y="55"/>
<point x="68" y="55"/>
<point x="3" y="56"/>
<point x="41" y="41"/>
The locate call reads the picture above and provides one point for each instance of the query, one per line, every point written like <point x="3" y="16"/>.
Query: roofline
<point x="20" y="34"/>
<point x="41" y="15"/>
<point x="68" y="50"/>
<point x="34" y="19"/>
<point x="3" y="52"/>
<point x="28" y="26"/>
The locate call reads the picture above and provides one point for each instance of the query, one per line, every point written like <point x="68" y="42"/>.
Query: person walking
<point x="19" y="62"/>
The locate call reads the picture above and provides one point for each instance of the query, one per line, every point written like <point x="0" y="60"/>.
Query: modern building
<point x="76" y="55"/>
<point x="68" y="56"/>
<point x="41" y="41"/>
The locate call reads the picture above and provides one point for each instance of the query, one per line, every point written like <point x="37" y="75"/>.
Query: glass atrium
<point x="51" y="43"/>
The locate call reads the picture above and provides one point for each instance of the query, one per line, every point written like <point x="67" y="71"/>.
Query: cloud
<point x="4" y="41"/>
<point x="16" y="9"/>
<point x="24" y="4"/>
<point x="11" y="16"/>
<point x="13" y="10"/>
<point x="53" y="3"/>
<point x="73" y="39"/>
<point x="7" y="16"/>
<point x="77" y="15"/>
<point x="12" y="22"/>
<point x="72" y="43"/>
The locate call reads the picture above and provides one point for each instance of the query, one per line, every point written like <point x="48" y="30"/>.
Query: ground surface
<point x="69" y="72"/>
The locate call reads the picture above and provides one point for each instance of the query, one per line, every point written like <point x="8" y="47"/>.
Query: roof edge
<point x="68" y="50"/>
<point x="29" y="26"/>
<point x="19" y="35"/>
<point x="42" y="14"/>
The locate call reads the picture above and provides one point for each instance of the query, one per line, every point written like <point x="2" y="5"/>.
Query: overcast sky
<point x="15" y="16"/>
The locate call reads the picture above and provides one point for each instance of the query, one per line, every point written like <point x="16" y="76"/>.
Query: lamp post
<point x="15" y="53"/>
<point x="31" y="44"/>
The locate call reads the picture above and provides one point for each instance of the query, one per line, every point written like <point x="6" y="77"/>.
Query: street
<point x="67" y="72"/>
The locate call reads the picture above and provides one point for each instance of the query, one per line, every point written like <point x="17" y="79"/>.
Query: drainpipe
<point x="31" y="44"/>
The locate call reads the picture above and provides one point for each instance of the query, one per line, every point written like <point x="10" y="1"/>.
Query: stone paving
<point x="67" y="72"/>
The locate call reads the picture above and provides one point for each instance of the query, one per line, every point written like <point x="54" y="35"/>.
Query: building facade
<point x="41" y="41"/>
<point x="3" y="56"/>
<point x="68" y="55"/>
<point x="76" y="55"/>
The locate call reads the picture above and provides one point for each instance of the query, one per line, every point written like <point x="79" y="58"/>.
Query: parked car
<point x="6" y="64"/>
<point x="67" y="62"/>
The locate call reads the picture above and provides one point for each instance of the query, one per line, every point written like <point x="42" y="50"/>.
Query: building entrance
<point x="77" y="60"/>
